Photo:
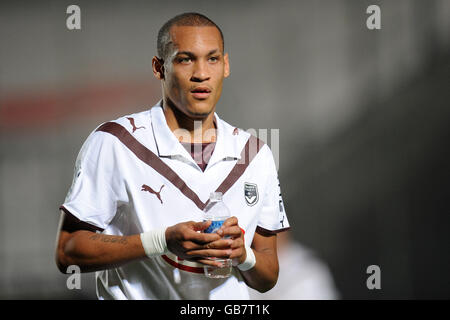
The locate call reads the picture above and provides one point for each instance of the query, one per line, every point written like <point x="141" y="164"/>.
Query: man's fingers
<point x="237" y="252"/>
<point x="197" y="236"/>
<point x="208" y="262"/>
<point x="200" y="226"/>
<point x="227" y="243"/>
<point x="237" y="243"/>
<point x="219" y="244"/>
<point x="233" y="231"/>
<point x="203" y="238"/>
<point x="210" y="253"/>
<point x="230" y="222"/>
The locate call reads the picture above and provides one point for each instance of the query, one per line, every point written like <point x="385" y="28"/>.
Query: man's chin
<point x="199" y="111"/>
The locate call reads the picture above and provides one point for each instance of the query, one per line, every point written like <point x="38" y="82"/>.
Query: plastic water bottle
<point x="217" y="212"/>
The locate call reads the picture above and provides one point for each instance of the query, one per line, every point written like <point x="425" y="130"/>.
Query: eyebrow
<point x="192" y="55"/>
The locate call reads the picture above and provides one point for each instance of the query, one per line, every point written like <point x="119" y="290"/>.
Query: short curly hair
<point x="184" y="19"/>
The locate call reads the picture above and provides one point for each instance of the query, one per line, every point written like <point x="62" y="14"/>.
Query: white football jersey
<point x="133" y="175"/>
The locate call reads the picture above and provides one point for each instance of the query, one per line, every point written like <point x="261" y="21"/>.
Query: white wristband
<point x="154" y="242"/>
<point x="250" y="260"/>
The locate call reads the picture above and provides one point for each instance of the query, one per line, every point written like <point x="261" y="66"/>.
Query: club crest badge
<point x="251" y="193"/>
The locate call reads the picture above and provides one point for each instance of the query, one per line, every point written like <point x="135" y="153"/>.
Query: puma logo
<point x="149" y="189"/>
<point x="133" y="125"/>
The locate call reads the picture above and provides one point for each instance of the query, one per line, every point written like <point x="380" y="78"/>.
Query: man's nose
<point x="201" y="72"/>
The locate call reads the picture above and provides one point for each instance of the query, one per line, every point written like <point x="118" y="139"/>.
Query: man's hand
<point x="264" y="274"/>
<point x="231" y="229"/>
<point x="188" y="242"/>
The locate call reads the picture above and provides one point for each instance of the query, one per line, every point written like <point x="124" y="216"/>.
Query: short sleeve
<point x="97" y="185"/>
<point x="273" y="217"/>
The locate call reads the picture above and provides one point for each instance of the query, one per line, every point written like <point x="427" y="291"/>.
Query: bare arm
<point x="92" y="251"/>
<point x="77" y="244"/>
<point x="264" y="275"/>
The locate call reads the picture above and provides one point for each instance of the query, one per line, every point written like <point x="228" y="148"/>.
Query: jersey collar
<point x="227" y="146"/>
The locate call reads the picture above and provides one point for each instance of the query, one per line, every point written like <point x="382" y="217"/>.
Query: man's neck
<point x="187" y="129"/>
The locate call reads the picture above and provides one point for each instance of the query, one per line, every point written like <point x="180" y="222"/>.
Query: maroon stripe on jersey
<point x="151" y="159"/>
<point x="249" y="151"/>
<point x="72" y="223"/>
<point x="266" y="233"/>
<point x="182" y="266"/>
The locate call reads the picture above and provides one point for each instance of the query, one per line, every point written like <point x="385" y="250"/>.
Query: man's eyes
<point x="214" y="59"/>
<point x="186" y="60"/>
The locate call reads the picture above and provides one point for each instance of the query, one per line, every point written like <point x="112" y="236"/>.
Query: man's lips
<point x="201" y="92"/>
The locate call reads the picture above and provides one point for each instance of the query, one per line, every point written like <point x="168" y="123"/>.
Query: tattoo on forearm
<point x="107" y="238"/>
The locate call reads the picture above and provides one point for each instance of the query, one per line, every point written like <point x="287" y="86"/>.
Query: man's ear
<point x="226" y="71"/>
<point x="158" y="68"/>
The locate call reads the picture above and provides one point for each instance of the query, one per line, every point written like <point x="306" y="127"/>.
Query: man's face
<point x="195" y="69"/>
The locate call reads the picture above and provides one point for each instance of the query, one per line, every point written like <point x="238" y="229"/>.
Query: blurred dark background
<point x="364" y="118"/>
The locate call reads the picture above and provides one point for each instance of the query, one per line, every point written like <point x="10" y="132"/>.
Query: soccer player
<point x="134" y="211"/>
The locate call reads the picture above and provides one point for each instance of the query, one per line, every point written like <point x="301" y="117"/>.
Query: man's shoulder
<point x="237" y="133"/>
<point x="242" y="137"/>
<point x="134" y="121"/>
<point x="136" y="124"/>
